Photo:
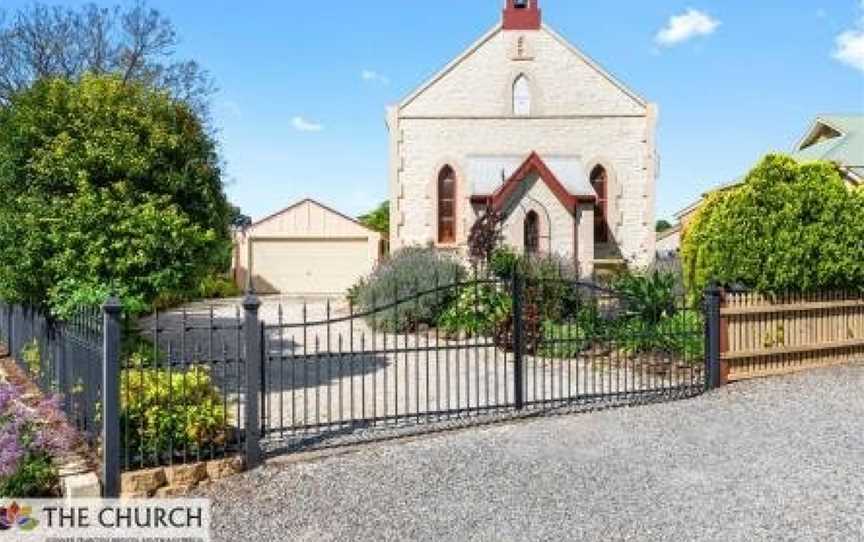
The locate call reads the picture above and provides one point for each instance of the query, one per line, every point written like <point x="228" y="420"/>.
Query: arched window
<point x="532" y="233"/>
<point x="521" y="97"/>
<point x="447" y="205"/>
<point x="600" y="183"/>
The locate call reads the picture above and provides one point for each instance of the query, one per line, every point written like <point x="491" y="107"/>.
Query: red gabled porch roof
<point x="533" y="164"/>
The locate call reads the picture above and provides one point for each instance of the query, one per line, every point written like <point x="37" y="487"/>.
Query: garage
<point x="305" y="249"/>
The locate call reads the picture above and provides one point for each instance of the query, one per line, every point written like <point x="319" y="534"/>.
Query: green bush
<point x="680" y="334"/>
<point x="107" y="186"/>
<point x="550" y="281"/>
<point x="789" y="227"/>
<point x="569" y="339"/>
<point x="477" y="311"/>
<point x="503" y="262"/>
<point x="389" y="293"/>
<point x="36" y="477"/>
<point x="649" y="296"/>
<point x="179" y="410"/>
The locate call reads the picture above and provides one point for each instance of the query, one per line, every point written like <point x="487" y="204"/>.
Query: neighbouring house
<point x="669" y="242"/>
<point x="834" y="138"/>
<point x="305" y="249"/>
<point x="526" y="122"/>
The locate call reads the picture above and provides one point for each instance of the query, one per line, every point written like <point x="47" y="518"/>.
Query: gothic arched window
<point x="532" y="233"/>
<point x="521" y="97"/>
<point x="447" y="205"/>
<point x="600" y="183"/>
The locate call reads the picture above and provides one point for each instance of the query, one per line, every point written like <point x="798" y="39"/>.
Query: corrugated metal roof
<point x="487" y="173"/>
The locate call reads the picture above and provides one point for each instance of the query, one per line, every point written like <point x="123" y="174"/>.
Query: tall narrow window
<point x="447" y="205"/>
<point x="532" y="233"/>
<point x="600" y="183"/>
<point x="521" y="97"/>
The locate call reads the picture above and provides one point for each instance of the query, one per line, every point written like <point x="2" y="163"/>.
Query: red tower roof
<point x="522" y="15"/>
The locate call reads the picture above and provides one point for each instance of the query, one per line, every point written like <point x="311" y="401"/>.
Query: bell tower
<point x="522" y="15"/>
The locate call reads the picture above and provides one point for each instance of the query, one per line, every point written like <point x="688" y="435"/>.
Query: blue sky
<point x="748" y="80"/>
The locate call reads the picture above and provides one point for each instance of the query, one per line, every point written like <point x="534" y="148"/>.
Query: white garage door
<point x="309" y="266"/>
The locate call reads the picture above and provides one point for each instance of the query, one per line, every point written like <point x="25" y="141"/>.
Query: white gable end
<point x="562" y="81"/>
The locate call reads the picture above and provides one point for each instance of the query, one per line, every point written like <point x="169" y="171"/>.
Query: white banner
<point x="105" y="520"/>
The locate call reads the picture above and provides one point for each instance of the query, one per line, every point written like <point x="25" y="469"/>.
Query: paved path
<point x="776" y="459"/>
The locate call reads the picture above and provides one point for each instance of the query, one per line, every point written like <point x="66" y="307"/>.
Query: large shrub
<point x="389" y="294"/>
<point x="107" y="185"/>
<point x="789" y="227"/>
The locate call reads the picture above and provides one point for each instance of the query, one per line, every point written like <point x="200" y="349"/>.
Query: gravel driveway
<point x="775" y="459"/>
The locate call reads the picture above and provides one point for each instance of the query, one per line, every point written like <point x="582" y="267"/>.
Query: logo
<point x="17" y="516"/>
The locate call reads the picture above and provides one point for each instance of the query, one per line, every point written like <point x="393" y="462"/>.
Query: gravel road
<point x="775" y="459"/>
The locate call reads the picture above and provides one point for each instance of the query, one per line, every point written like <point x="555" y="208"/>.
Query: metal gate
<point x="331" y="372"/>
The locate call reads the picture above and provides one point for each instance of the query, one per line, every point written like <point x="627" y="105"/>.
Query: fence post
<point x="111" y="336"/>
<point x="713" y="297"/>
<point x="518" y="343"/>
<point x="254" y="363"/>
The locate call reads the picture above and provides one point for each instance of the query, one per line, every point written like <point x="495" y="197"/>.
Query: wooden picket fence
<point x="764" y="335"/>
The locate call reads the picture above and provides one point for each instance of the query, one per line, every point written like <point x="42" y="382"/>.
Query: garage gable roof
<point x="313" y="202"/>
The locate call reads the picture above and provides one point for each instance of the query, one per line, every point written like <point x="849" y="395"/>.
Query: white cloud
<point x="680" y="28"/>
<point x="374" y="77"/>
<point x="849" y="46"/>
<point x="302" y="125"/>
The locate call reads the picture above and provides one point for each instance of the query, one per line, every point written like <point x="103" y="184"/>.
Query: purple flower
<point x="11" y="451"/>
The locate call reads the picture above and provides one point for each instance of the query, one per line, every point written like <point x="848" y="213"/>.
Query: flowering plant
<point x="32" y="432"/>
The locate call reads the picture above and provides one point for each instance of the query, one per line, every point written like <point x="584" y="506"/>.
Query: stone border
<point x="77" y="470"/>
<point x="177" y="480"/>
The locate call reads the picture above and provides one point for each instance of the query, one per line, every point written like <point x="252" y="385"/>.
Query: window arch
<point x="532" y="233"/>
<point x="447" y="205"/>
<point x="521" y="96"/>
<point x="600" y="183"/>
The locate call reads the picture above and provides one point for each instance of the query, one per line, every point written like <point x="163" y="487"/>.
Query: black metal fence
<point x="183" y="388"/>
<point x="62" y="357"/>
<point x="204" y="382"/>
<point x="331" y="369"/>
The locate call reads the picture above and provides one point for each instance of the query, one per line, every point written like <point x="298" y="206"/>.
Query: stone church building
<point x="526" y="122"/>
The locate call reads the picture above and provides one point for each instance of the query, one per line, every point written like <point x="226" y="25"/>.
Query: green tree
<point x="378" y="219"/>
<point x="107" y="185"/>
<point x="789" y="227"/>
<point x="663" y="225"/>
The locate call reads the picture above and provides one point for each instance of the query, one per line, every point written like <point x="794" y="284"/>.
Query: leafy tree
<point x="663" y="225"/>
<point x="135" y="42"/>
<point x="238" y="219"/>
<point x="789" y="227"/>
<point x="107" y="185"/>
<point x="378" y="219"/>
<point x="485" y="235"/>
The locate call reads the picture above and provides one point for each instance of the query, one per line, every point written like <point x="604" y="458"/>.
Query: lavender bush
<point x="31" y="435"/>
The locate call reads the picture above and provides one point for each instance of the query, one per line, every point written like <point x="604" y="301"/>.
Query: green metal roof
<point x="846" y="149"/>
